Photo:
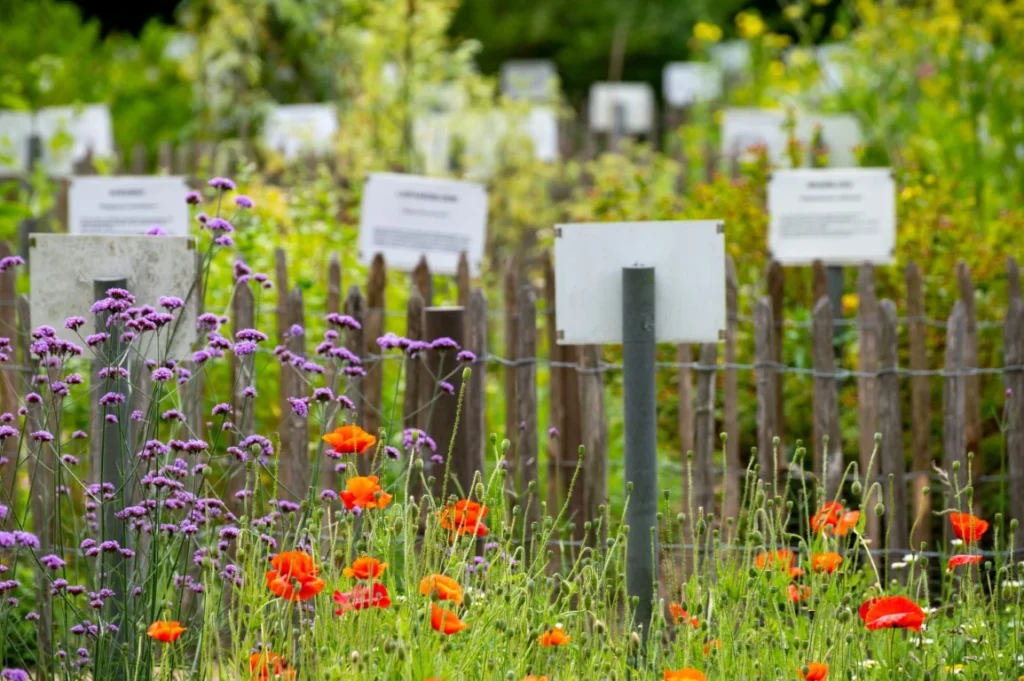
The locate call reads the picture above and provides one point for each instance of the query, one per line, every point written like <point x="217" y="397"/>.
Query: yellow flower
<point x="956" y="669"/>
<point x="707" y="33"/>
<point x="851" y="301"/>
<point x="776" y="69"/>
<point x="749" y="24"/>
<point x="793" y="12"/>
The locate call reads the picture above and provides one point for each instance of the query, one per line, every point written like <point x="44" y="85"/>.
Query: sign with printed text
<point x="688" y="258"/>
<point x="63" y="267"/>
<point x="842" y="216"/>
<point x="405" y="217"/>
<point x="532" y="79"/>
<point x="627" y="108"/>
<point x="301" y="128"/>
<point x="688" y="82"/>
<point x="743" y="129"/>
<point x="127" y="205"/>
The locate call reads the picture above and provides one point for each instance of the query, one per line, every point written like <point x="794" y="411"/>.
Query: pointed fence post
<point x="954" y="439"/>
<point x="765" y="371"/>
<point x="920" y="406"/>
<point x="893" y="464"/>
<point x="828" y="459"/>
<point x="1013" y="341"/>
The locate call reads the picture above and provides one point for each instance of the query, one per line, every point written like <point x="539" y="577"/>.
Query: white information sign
<point x="635" y="101"/>
<point x="745" y="128"/>
<point x="842" y="216"/>
<point x="67" y="135"/>
<point x="542" y="129"/>
<point x="688" y="82"/>
<point x="840" y="133"/>
<point x="732" y="55"/>
<point x="63" y="268"/>
<point x="532" y="79"/>
<point x="127" y="205"/>
<point x="298" y="128"/>
<point x="689" y="278"/>
<point x="405" y="217"/>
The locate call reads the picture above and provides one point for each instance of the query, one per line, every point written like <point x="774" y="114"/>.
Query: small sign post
<point x="612" y="281"/>
<point x="406" y="217"/>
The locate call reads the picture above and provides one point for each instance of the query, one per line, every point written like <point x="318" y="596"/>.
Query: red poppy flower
<point x="816" y="671"/>
<point x="294" y="569"/>
<point x="165" y="631"/>
<point x="687" y="674"/>
<point x="847" y="523"/>
<point x="826" y="562"/>
<point x="827" y="516"/>
<point x="267" y="665"/>
<point x="364" y="492"/>
<point x="553" y="637"/>
<point x="365" y="567"/>
<point x="678" y="613"/>
<point x="893" y="612"/>
<point x="968" y="527"/>
<point x="798" y="593"/>
<point x="350" y="440"/>
<point x="362" y="597"/>
<point x="713" y="643"/>
<point x="782" y="559"/>
<point x="447" y="589"/>
<point x="962" y="559"/>
<point x="795" y="572"/>
<point x="862" y="611"/>
<point x="464" y="517"/>
<point x="445" y="621"/>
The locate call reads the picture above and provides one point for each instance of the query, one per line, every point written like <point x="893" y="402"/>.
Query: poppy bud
<point x="804" y="671"/>
<point x="723" y="436"/>
<point x="625" y="530"/>
<point x="532" y="487"/>
<point x="505" y="445"/>
<point x="1013" y="525"/>
<point x="689" y="455"/>
<point x="849" y="639"/>
<point x="323" y="651"/>
<point x="680" y="518"/>
<point x="789" y="505"/>
<point x="480" y="490"/>
<point x="510" y="676"/>
<point x="755" y="536"/>
<point x="401" y="652"/>
<point x="665" y="493"/>
<point x="599" y="626"/>
<point x="609" y="542"/>
<point x="493" y="439"/>
<point x="969" y="490"/>
<point x="418" y="464"/>
<point x="586" y="526"/>
<point x="701" y="526"/>
<point x="629" y="486"/>
<point x="600" y="510"/>
<point x="856" y="488"/>
<point x="354" y="657"/>
<point x="515" y="510"/>
<point x="634" y="639"/>
<point x="240" y="553"/>
<point x="956" y="466"/>
<point x="879" y="509"/>
<point x="988" y="566"/>
<point x="466" y="373"/>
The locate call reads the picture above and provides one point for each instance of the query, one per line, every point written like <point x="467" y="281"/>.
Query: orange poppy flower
<point x="782" y="559"/>
<point x="892" y="612"/>
<point x="362" y="597"/>
<point x="678" y="613"/>
<point x="816" y="671"/>
<point x="350" y="440"/>
<point x="798" y="593"/>
<point x="447" y="588"/>
<point x="553" y="637"/>
<point x="291" y="569"/>
<point x="267" y="665"/>
<point x="364" y="492"/>
<point x="795" y="572"/>
<point x="365" y="567"/>
<point x="713" y="643"/>
<point x="445" y="621"/>
<point x="687" y="674"/>
<point x="967" y="527"/>
<point x="826" y="562"/>
<point x="531" y="677"/>
<point x="828" y="515"/>
<point x="962" y="559"/>
<point x="464" y="517"/>
<point x="847" y="523"/>
<point x="165" y="631"/>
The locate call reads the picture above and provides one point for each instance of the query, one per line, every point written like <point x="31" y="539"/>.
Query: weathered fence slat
<point x="373" y="328"/>
<point x="763" y="334"/>
<point x="776" y="277"/>
<point x="703" y="481"/>
<point x="1012" y="279"/>
<point x="511" y="341"/>
<point x="9" y="379"/>
<point x="526" y="404"/>
<point x="954" y="438"/>
<point x="920" y="405"/>
<point x="893" y="464"/>
<point x="462" y="282"/>
<point x="594" y="433"/>
<point x="139" y="160"/>
<point x="446" y="322"/>
<point x="355" y="341"/>
<point x="475" y="407"/>
<point x="1013" y="339"/>
<point x="684" y="356"/>
<point x="731" y="505"/>
<point x="413" y="372"/>
<point x="972" y="383"/>
<point x="557" y="391"/>
<point x="828" y="459"/>
<point x="423" y="280"/>
<point x="243" y="316"/>
<point x="867" y="389"/>
<point x="294" y="464"/>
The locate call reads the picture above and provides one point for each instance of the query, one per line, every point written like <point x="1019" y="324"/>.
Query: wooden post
<point x="867" y="386"/>
<point x="462" y="281"/>
<point x="893" y="464"/>
<point x="355" y="341"/>
<point x="556" y="393"/>
<point x="165" y="158"/>
<point x="295" y="464"/>
<point x="972" y="383"/>
<point x="920" y="406"/>
<point x="594" y="431"/>
<point x="1013" y="281"/>
<point x="424" y="281"/>
<point x="9" y="379"/>
<point x="413" y="374"/>
<point x="828" y="461"/>
<point x="763" y="334"/>
<point x="139" y="159"/>
<point x="954" y="439"/>
<point x="373" y="328"/>
<point x="526" y="405"/>
<point x="776" y="291"/>
<point x="1013" y="342"/>
<point x="475" y="406"/>
<point x="511" y="341"/>
<point x="819" y="282"/>
<point x="703" y="478"/>
<point x="733" y="467"/>
<point x="684" y="356"/>
<point x="243" y="316"/>
<point x="281" y="274"/>
<point x="447" y="322"/>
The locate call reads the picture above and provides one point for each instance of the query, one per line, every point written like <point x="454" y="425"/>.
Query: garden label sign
<point x="688" y="258"/>
<point x="63" y="268"/>
<point x="67" y="134"/>
<point x="406" y="217"/>
<point x="298" y="128"/>
<point x="745" y="128"/>
<point x="127" y="205"/>
<point x="635" y="101"/>
<point x="688" y="82"/>
<point x="842" y="216"/>
<point x="530" y="79"/>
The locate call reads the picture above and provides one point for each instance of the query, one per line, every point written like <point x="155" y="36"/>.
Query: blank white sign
<point x="405" y="217"/>
<point x="688" y="258"/>
<point x="634" y="100"/>
<point x="840" y="133"/>
<point x="687" y="82"/>
<point x="533" y="79"/>
<point x="63" y="268"/>
<point x="298" y="128"/>
<point x="842" y="216"/>
<point x="127" y="205"/>
<point x="68" y="135"/>
<point x="745" y="128"/>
